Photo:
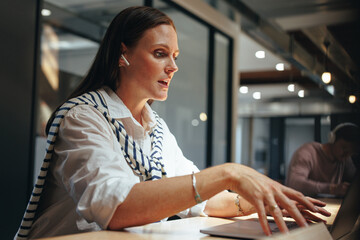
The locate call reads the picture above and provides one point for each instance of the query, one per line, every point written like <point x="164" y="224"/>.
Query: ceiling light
<point x="203" y="117"/>
<point x="260" y="54"/>
<point x="301" y="93"/>
<point x="291" y="87"/>
<point x="257" y="95"/>
<point x="195" y="122"/>
<point x="326" y="77"/>
<point x="352" y="99"/>
<point x="45" y="12"/>
<point x="280" y="67"/>
<point x="243" y="89"/>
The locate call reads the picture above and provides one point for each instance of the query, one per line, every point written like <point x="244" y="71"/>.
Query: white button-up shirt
<point x="89" y="176"/>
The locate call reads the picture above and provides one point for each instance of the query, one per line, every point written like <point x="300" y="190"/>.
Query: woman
<point x="110" y="145"/>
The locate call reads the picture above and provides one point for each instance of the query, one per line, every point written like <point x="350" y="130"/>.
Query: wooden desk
<point x="188" y="228"/>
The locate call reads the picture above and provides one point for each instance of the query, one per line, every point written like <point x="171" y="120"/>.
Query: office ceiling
<point x="297" y="31"/>
<point x="290" y="30"/>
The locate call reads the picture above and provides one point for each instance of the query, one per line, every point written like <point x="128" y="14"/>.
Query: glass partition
<point x="221" y="106"/>
<point x="188" y="92"/>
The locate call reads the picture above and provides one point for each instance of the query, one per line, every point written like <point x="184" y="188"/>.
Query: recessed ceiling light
<point x="291" y="87"/>
<point x="280" y="67"/>
<point x="260" y="54"/>
<point x="352" y="99"/>
<point x="257" y="95"/>
<point x="243" y="89"/>
<point x="45" y="12"/>
<point x="301" y="93"/>
<point x="203" y="117"/>
<point x="326" y="77"/>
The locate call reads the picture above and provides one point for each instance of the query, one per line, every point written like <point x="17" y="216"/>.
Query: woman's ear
<point x="122" y="60"/>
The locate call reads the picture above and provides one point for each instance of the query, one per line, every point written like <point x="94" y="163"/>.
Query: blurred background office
<point x="250" y="88"/>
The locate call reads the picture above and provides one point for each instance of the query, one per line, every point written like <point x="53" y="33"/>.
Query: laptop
<point x="343" y="225"/>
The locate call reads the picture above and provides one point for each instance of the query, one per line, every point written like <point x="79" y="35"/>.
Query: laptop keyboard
<point x="290" y="225"/>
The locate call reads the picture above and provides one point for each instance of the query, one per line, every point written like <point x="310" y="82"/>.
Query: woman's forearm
<point x="154" y="200"/>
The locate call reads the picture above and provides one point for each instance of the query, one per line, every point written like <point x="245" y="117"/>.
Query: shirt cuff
<point x="195" y="211"/>
<point x="198" y="210"/>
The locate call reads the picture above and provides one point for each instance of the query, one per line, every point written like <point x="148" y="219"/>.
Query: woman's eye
<point x="160" y="54"/>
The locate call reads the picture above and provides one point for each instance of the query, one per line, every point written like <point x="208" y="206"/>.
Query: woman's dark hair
<point x="127" y="27"/>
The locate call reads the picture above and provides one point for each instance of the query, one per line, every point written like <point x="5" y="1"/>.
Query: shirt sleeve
<point x="299" y="170"/>
<point x="96" y="176"/>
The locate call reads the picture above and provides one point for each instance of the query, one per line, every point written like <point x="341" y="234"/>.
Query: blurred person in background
<point x="326" y="169"/>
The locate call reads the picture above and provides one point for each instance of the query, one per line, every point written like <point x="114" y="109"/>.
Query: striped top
<point x="146" y="167"/>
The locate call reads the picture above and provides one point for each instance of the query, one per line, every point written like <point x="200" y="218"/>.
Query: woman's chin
<point x="161" y="98"/>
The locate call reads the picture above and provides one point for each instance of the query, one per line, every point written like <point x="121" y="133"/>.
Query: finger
<point x="291" y="208"/>
<point x="300" y="207"/>
<point x="324" y="212"/>
<point x="316" y="202"/>
<point x="276" y="212"/>
<point x="285" y="213"/>
<point x="311" y="217"/>
<point x="262" y="217"/>
<point x="299" y="197"/>
<point x="320" y="210"/>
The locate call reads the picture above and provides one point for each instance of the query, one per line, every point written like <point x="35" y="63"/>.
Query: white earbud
<point x="125" y="60"/>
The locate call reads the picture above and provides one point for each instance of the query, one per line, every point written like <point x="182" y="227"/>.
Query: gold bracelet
<point x="237" y="203"/>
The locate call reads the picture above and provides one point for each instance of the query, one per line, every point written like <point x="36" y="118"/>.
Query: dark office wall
<point x="18" y="47"/>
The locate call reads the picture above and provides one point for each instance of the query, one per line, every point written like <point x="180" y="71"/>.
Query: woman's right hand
<point x="264" y="193"/>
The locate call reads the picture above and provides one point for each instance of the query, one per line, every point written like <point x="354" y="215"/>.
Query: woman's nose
<point x="172" y="66"/>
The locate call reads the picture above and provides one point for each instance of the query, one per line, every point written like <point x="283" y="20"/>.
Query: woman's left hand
<point x="310" y="217"/>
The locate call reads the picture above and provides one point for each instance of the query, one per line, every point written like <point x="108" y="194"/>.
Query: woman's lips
<point x="164" y="83"/>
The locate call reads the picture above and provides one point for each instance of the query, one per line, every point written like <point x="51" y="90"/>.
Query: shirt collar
<point x="117" y="109"/>
<point x="148" y="117"/>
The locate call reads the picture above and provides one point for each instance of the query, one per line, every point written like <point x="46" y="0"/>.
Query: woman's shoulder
<point x="89" y="102"/>
<point x="85" y="116"/>
<point x="82" y="110"/>
<point x="81" y="115"/>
